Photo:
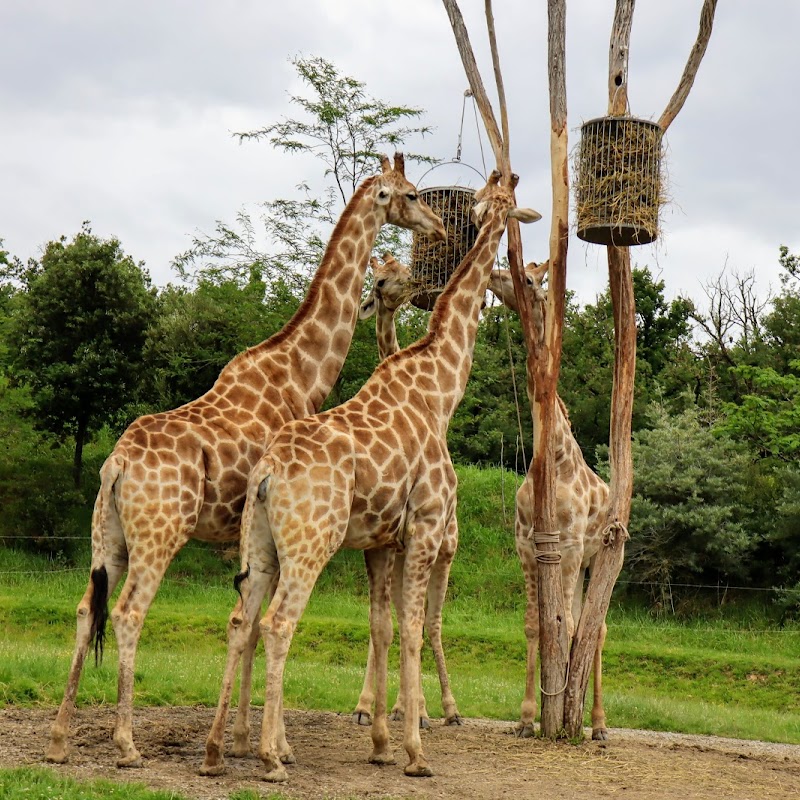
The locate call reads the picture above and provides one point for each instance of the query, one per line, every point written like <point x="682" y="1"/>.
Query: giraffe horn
<point x="400" y="164"/>
<point x="385" y="165"/>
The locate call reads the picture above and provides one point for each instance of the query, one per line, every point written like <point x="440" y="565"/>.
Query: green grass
<point x="731" y="673"/>
<point x="27" y="783"/>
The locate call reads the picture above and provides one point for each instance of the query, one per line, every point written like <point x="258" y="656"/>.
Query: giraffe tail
<point x="98" y="607"/>
<point x="257" y="490"/>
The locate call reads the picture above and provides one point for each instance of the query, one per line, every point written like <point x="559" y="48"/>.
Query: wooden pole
<point x="546" y="363"/>
<point x="543" y="341"/>
<point x="609" y="560"/>
<point x="692" y="65"/>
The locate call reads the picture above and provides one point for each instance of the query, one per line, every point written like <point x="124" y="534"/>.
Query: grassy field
<point x="733" y="674"/>
<point x="28" y="783"/>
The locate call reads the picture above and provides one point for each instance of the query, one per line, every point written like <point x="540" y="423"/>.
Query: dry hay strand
<point x="618" y="185"/>
<point x="432" y="263"/>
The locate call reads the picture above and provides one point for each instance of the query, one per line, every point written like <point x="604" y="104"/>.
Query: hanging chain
<point x="467" y="93"/>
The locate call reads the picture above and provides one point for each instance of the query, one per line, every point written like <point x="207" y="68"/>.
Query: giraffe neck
<point x="453" y="325"/>
<point x="308" y="353"/>
<point x="566" y="448"/>
<point x="385" y="332"/>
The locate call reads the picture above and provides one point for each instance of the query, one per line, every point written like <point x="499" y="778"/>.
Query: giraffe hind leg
<point x="128" y="617"/>
<point x="92" y="613"/>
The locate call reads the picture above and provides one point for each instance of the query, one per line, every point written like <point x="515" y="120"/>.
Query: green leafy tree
<point x="692" y="515"/>
<point x="345" y="128"/>
<point x="78" y="331"/>
<point x="665" y="364"/>
<point x="769" y="418"/>
<point x="198" y="331"/>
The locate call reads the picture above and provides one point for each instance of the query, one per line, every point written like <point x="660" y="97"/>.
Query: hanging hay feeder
<point x="618" y="183"/>
<point x="432" y="263"/>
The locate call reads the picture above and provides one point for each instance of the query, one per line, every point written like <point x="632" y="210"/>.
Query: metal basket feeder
<point x="432" y="263"/>
<point x="618" y="181"/>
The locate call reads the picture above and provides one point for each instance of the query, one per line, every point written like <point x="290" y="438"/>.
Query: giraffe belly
<point x="368" y="530"/>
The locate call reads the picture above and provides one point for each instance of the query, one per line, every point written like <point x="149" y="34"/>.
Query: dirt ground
<point x="482" y="760"/>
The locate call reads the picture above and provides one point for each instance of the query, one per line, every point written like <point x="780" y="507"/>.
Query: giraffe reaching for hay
<point x="392" y="288"/>
<point x="371" y="474"/>
<point x="582" y="499"/>
<point x="182" y="474"/>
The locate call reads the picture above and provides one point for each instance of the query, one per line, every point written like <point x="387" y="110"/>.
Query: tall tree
<point x="345" y="128"/>
<point x="78" y="332"/>
<point x="664" y="363"/>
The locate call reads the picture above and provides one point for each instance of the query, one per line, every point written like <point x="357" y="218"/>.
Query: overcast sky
<point x="122" y="114"/>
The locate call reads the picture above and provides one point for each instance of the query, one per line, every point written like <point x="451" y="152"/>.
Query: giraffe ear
<point x="368" y="307"/>
<point x="524" y="215"/>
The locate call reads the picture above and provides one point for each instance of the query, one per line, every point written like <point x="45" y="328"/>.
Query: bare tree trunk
<point x="546" y="365"/>
<point x="609" y="560"/>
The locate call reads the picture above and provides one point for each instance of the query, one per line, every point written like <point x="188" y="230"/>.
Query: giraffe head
<point x="390" y="288"/>
<point x="398" y="203"/>
<point x="501" y="191"/>
<point x="501" y="285"/>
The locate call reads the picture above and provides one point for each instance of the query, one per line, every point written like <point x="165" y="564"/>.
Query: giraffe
<point x="392" y="288"/>
<point x="182" y="474"/>
<point x="581" y="507"/>
<point x="372" y="474"/>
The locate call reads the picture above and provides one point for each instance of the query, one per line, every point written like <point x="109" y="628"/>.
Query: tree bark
<point x="692" y="65"/>
<point x="609" y="560"/>
<point x="546" y="366"/>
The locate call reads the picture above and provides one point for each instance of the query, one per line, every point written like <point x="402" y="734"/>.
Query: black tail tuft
<point x="99" y="611"/>
<point x="237" y="581"/>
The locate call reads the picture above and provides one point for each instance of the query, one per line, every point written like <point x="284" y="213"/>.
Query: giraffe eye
<point x="411" y="196"/>
<point x="380" y="283"/>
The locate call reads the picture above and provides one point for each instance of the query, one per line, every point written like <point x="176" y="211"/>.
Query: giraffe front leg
<point x="437" y="590"/>
<point x="416" y="575"/>
<point x="379" y="564"/>
<point x="525" y="550"/>
<point x="599" y="729"/>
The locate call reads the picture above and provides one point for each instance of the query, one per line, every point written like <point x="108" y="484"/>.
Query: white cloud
<point x="123" y="114"/>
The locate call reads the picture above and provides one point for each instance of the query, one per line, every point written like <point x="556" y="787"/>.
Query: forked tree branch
<point x="475" y="80"/>
<point x="501" y="92"/>
<point x="692" y="65"/>
<point x="619" y="48"/>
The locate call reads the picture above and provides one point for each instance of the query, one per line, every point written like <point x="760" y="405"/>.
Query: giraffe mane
<point x="314" y="289"/>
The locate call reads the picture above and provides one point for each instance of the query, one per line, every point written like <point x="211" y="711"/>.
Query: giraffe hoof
<point x="382" y="759"/>
<point x="424" y="724"/>
<point x="396" y="715"/>
<point x="525" y="730"/>
<point x="212" y="770"/>
<point x="418" y="769"/>
<point x="133" y="761"/>
<point x="288" y="758"/>
<point x="456" y="719"/>
<point x="277" y="775"/>
<point x="362" y="718"/>
<point x="56" y="754"/>
<point x="241" y="750"/>
<point x="600" y="734"/>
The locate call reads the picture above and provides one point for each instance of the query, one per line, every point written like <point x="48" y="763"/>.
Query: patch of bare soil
<point x="480" y="760"/>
